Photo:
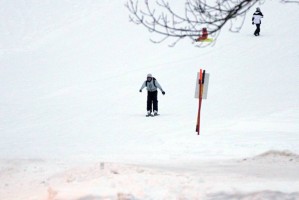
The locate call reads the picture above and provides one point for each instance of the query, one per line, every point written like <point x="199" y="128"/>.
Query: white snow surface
<point x="72" y="120"/>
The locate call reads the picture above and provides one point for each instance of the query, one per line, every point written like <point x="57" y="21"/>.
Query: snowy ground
<point x="260" y="177"/>
<point x="72" y="123"/>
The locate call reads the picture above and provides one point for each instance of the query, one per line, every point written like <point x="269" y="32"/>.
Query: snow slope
<point x="258" y="177"/>
<point x="69" y="81"/>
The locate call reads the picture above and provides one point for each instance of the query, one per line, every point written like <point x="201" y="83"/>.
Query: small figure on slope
<point x="152" y="85"/>
<point x="203" y="36"/>
<point x="256" y="19"/>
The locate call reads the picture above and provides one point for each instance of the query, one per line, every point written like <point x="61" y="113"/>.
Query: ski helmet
<point x="149" y="76"/>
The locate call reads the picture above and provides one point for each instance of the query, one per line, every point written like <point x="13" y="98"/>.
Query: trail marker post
<point x="201" y="92"/>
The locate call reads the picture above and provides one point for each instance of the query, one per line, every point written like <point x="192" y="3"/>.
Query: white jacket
<point x="151" y="86"/>
<point x="257" y="16"/>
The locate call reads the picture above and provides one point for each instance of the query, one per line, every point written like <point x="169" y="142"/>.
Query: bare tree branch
<point x="163" y="20"/>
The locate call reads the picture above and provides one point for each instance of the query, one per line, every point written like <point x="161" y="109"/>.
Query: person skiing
<point x="203" y="36"/>
<point x="256" y="19"/>
<point x="152" y="85"/>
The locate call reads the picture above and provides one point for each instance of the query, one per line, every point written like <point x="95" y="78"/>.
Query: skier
<point x="256" y="19"/>
<point x="204" y="35"/>
<point x="152" y="85"/>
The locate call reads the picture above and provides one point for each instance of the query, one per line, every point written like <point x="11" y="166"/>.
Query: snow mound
<point x="279" y="154"/>
<point x="275" y="156"/>
<point x="51" y="180"/>
<point x="265" y="195"/>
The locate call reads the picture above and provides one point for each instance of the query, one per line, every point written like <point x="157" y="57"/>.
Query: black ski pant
<point x="258" y="29"/>
<point x="152" y="99"/>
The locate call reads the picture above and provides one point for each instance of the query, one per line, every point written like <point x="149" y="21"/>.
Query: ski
<point x="152" y="115"/>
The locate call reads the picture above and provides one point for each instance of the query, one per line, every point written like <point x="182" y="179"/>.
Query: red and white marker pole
<point x="200" y="93"/>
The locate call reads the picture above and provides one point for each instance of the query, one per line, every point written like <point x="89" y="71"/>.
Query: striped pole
<point x="200" y="82"/>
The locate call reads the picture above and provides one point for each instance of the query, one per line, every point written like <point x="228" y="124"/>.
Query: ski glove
<point x="163" y="93"/>
<point x="140" y="90"/>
